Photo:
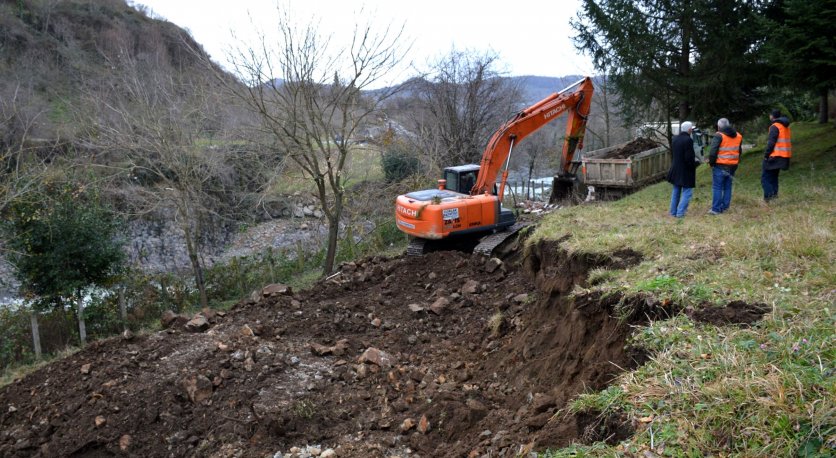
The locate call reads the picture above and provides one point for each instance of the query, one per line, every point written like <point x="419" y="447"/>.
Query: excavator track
<point x="490" y="242"/>
<point x="416" y="247"/>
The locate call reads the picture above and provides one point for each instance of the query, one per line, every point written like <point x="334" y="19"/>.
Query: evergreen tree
<point x="687" y="58"/>
<point x="801" y="47"/>
<point x="61" y="248"/>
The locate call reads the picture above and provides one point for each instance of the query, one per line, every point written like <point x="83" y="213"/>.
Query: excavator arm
<point x="575" y="99"/>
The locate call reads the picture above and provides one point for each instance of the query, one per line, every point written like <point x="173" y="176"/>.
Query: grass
<point x="725" y="391"/>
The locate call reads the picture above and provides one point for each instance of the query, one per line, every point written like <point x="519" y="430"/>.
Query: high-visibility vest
<point x="729" y="153"/>
<point x="783" y="147"/>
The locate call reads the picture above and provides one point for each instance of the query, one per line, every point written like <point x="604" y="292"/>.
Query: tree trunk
<point x="36" y="335"/>
<point x="196" y="268"/>
<point x="82" y="328"/>
<point x="331" y="253"/>
<point x="823" y="108"/>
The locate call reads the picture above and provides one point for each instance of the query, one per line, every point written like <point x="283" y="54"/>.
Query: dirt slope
<point x="444" y="355"/>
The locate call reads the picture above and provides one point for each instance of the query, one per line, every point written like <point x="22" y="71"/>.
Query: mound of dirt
<point x="735" y="312"/>
<point x="634" y="147"/>
<point x="443" y="355"/>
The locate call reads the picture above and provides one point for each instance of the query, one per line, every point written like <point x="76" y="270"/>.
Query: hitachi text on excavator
<point x="468" y="199"/>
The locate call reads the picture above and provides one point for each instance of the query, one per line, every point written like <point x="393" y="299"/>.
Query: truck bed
<point x="635" y="171"/>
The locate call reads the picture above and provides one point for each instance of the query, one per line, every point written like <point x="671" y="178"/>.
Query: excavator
<point x="467" y="202"/>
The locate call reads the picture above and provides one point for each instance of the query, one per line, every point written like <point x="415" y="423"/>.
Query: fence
<point x="539" y="189"/>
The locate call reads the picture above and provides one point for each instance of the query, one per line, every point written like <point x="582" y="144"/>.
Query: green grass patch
<point x="765" y="390"/>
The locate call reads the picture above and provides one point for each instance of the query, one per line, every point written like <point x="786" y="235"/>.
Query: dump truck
<point x="621" y="169"/>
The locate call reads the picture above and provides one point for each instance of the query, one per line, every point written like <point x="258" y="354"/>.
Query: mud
<point x="446" y="355"/>
<point x="634" y="147"/>
<point x="735" y="312"/>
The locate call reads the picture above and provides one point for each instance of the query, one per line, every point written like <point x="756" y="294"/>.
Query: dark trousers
<point x="769" y="182"/>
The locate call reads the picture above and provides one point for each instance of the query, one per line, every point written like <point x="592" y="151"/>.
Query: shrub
<point x="399" y="161"/>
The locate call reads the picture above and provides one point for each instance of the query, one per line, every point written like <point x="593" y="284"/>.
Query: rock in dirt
<point x="440" y="305"/>
<point x="377" y="357"/>
<point x="424" y="425"/>
<point x="542" y="402"/>
<point x="415" y="308"/>
<point x="85" y="368"/>
<point x="470" y="287"/>
<point x="337" y="350"/>
<point x="198" y="388"/>
<point x="492" y="264"/>
<point x="125" y="442"/>
<point x="173" y="320"/>
<point x="197" y="324"/>
<point x="520" y="298"/>
<point x="276" y="289"/>
<point x="407" y="425"/>
<point x="100" y="421"/>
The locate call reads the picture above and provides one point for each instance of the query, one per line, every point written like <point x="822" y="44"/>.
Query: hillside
<point x="53" y="52"/>
<point x="721" y="330"/>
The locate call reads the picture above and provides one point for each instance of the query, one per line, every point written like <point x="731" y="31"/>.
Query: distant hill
<point x="538" y="87"/>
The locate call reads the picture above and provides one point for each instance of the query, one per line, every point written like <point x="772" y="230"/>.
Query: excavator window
<point x="452" y="180"/>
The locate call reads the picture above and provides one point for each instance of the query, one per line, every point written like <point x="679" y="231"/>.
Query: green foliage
<point x="697" y="59"/>
<point x="61" y="247"/>
<point x="399" y="161"/>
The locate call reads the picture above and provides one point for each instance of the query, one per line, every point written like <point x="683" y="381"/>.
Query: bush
<point x="400" y="161"/>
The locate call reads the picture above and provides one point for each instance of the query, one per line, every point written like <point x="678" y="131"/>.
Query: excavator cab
<point x="461" y="178"/>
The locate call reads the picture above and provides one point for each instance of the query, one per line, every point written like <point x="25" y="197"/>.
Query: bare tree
<point x="165" y="124"/>
<point x="309" y="97"/>
<point x="461" y="102"/>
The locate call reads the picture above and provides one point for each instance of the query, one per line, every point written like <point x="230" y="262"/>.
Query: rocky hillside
<point x="53" y="51"/>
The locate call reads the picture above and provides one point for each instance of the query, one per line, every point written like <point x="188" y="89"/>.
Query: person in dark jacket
<point x="682" y="174"/>
<point x="724" y="156"/>
<point x="776" y="156"/>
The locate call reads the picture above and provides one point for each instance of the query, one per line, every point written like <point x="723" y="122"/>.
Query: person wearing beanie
<point x="682" y="174"/>
<point x="723" y="157"/>
<point x="776" y="156"/>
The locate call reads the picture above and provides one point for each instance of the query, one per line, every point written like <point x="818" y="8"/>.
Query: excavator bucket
<point x="563" y="188"/>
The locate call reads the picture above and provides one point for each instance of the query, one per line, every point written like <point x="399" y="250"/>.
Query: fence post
<point x="36" y="335"/>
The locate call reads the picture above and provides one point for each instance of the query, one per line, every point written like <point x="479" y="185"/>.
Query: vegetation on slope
<point x="768" y="389"/>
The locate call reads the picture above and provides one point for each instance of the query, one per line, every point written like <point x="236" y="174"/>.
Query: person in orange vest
<point x="777" y="155"/>
<point x="724" y="156"/>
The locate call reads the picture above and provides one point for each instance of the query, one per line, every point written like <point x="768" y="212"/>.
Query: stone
<point x="424" y="425"/>
<point x="492" y="264"/>
<point x="125" y="442"/>
<point x="247" y="331"/>
<point x="197" y="324"/>
<point x="440" y="305"/>
<point x="85" y="368"/>
<point x="276" y="289"/>
<point x="520" y="298"/>
<point x="415" y="308"/>
<point x="432" y="276"/>
<point x="328" y="453"/>
<point x="249" y="364"/>
<point x="100" y="421"/>
<point x="376" y="322"/>
<point x="377" y="357"/>
<point x="127" y="334"/>
<point x="198" y="388"/>
<point x="470" y="287"/>
<point x="542" y="402"/>
<point x="338" y="349"/>
<point x="407" y="425"/>
<point x="172" y="320"/>
<point x="255" y="296"/>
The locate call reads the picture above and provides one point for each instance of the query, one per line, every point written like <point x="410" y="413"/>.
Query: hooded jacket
<point x="775" y="163"/>
<point x="715" y="147"/>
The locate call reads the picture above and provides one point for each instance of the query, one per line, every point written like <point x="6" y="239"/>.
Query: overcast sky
<point x="531" y="37"/>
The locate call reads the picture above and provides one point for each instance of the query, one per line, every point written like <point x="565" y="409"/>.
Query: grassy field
<point x="766" y="390"/>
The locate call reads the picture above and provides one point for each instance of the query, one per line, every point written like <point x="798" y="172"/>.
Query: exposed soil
<point x="446" y="355"/>
<point x="634" y="147"/>
<point x="735" y="312"/>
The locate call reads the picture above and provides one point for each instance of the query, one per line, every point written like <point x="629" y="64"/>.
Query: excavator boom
<point x="498" y="152"/>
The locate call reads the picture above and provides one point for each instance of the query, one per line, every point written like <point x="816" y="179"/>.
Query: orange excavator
<point x="467" y="201"/>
